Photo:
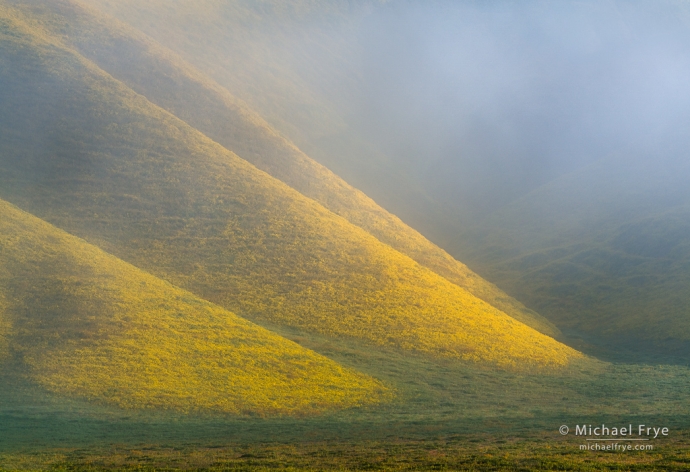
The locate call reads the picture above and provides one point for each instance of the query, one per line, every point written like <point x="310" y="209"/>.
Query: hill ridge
<point x="140" y="183"/>
<point x="168" y="81"/>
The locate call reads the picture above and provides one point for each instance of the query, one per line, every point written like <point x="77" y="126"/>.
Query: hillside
<point x="298" y="64"/>
<point x="83" y="323"/>
<point x="604" y="252"/>
<point x="86" y="153"/>
<point x="4" y="326"/>
<point x="164" y="79"/>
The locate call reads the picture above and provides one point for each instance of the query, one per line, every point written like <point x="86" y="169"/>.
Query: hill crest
<point x="166" y="80"/>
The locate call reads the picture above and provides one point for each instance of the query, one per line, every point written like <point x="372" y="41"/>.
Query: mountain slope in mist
<point x="169" y="83"/>
<point x="604" y="252"/>
<point x="442" y="110"/>
<point x="89" y="155"/>
<point x="82" y="323"/>
<point x="297" y="64"/>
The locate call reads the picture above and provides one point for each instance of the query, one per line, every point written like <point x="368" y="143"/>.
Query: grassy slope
<point x="297" y="64"/>
<point x="86" y="324"/>
<point x="248" y="47"/>
<point x="166" y="81"/>
<point x="4" y="323"/>
<point x="604" y="252"/>
<point x="86" y="153"/>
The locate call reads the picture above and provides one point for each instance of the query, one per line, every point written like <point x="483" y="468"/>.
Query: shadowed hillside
<point x="166" y="81"/>
<point x="83" y="323"/>
<point x="4" y="324"/>
<point x="604" y="252"/>
<point x="92" y="157"/>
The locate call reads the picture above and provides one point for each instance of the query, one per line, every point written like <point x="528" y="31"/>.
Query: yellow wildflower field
<point x="87" y="324"/>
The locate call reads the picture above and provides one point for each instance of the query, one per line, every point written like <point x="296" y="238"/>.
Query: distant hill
<point x="167" y="81"/>
<point x="83" y="323"/>
<point x="604" y="252"/>
<point x="86" y="153"/>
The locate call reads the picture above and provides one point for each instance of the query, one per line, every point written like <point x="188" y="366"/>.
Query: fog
<point x="445" y="111"/>
<point x="482" y="102"/>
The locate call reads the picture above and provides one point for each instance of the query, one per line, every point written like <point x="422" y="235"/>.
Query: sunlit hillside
<point x="168" y="82"/>
<point x="135" y="180"/>
<point x="603" y="251"/>
<point x="297" y="64"/>
<point x="83" y="323"/>
<point x="481" y="107"/>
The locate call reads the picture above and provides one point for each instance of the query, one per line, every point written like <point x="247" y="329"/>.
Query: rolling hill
<point x="82" y="323"/>
<point x="167" y="81"/>
<point x="297" y="64"/>
<point x="89" y="155"/>
<point x="604" y="252"/>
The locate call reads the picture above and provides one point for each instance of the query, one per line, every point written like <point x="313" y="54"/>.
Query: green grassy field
<point x="480" y="452"/>
<point x="83" y="323"/>
<point x="447" y="415"/>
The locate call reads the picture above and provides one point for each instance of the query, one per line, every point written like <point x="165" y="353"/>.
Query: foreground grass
<point x="433" y="400"/>
<point x="447" y="415"/>
<point x="477" y="452"/>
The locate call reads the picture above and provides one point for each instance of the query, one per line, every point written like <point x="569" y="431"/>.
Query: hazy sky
<point x="477" y="102"/>
<point x="485" y="100"/>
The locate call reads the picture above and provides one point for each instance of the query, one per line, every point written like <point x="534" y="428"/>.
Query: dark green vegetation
<point x="604" y="252"/>
<point x="479" y="452"/>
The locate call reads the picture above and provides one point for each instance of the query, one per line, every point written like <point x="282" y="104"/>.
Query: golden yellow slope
<point x="157" y="193"/>
<point x="166" y="80"/>
<point x="87" y="324"/>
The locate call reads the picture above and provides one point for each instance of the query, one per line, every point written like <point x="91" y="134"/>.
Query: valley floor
<point x="446" y="416"/>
